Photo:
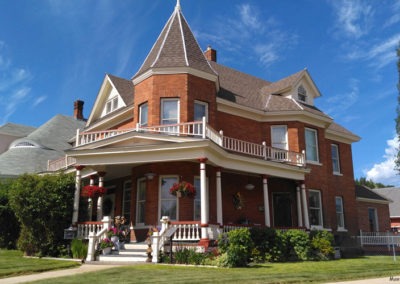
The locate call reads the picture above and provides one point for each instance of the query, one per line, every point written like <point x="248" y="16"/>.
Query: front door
<point x="282" y="209"/>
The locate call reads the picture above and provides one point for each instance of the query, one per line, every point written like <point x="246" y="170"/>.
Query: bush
<point x="267" y="244"/>
<point x="79" y="249"/>
<point x="237" y="245"/>
<point x="322" y="245"/>
<point x="9" y="225"/>
<point x="296" y="245"/>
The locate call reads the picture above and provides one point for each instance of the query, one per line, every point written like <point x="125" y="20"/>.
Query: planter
<point x="106" y="251"/>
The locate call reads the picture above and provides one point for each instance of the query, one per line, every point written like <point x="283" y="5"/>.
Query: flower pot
<point x="106" y="251"/>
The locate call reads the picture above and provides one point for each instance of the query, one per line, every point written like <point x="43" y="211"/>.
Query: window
<point x="200" y="111"/>
<point x="302" y="94"/>
<point x="339" y="212"/>
<point x="335" y="158"/>
<point x="168" y="202"/>
<point x="197" y="200"/>
<point x="169" y="111"/>
<point x="126" y="201"/>
<point x="143" y="114"/>
<point x="373" y="222"/>
<point x="112" y="105"/>
<point x="314" y="199"/>
<point x="279" y="137"/>
<point x="141" y="201"/>
<point x="311" y="145"/>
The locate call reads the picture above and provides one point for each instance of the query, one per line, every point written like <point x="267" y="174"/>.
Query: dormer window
<point x="112" y="105"/>
<point x="302" y="94"/>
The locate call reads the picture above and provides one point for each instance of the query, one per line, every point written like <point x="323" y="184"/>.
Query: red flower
<point x="92" y="191"/>
<point x="183" y="188"/>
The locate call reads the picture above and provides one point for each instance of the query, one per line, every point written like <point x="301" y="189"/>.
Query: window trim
<point x="316" y="145"/>
<point x="160" y="200"/>
<point x="376" y="229"/>
<point x="302" y="93"/>
<point x="342" y="219"/>
<point x="200" y="103"/>
<point x="145" y="104"/>
<point x="124" y="201"/>
<point x="337" y="158"/>
<point x="321" y="215"/>
<point x="112" y="104"/>
<point x="286" y="136"/>
<point x="139" y="180"/>
<point x="162" y="110"/>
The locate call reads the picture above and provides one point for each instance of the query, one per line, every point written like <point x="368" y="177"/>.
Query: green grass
<point x="12" y="263"/>
<point x="296" y="272"/>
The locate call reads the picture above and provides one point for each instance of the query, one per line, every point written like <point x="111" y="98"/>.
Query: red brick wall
<point x="382" y="212"/>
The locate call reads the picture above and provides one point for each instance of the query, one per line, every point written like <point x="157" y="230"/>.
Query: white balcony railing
<point x="199" y="129"/>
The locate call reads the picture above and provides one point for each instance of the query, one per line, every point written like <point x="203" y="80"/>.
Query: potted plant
<point x="106" y="245"/>
<point x="183" y="189"/>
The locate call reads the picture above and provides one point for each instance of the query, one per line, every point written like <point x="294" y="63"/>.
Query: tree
<point x="43" y="206"/>
<point x="397" y="161"/>
<point x="370" y="183"/>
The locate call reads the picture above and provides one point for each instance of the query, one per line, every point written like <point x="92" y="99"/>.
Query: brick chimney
<point x="211" y="54"/>
<point x="78" y="109"/>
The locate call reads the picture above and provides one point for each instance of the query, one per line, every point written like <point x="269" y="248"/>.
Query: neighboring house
<point x="31" y="153"/>
<point x="257" y="152"/>
<point x="392" y="194"/>
<point x="373" y="210"/>
<point x="10" y="132"/>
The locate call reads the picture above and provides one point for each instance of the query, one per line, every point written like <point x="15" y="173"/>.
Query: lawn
<point x="12" y="263"/>
<point x="298" y="272"/>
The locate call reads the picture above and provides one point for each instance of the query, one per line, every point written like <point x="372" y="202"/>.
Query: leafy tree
<point x="397" y="161"/>
<point x="9" y="226"/>
<point x="370" y="183"/>
<point x="43" y="206"/>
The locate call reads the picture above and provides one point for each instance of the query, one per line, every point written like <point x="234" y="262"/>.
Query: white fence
<point x="379" y="239"/>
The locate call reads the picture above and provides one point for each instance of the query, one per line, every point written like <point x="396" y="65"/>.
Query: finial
<point x="178" y="5"/>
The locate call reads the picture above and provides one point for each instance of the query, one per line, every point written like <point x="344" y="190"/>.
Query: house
<point x="33" y="149"/>
<point x="392" y="194"/>
<point x="257" y="152"/>
<point x="373" y="210"/>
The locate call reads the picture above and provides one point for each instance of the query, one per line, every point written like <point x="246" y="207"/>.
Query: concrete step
<point x="133" y="252"/>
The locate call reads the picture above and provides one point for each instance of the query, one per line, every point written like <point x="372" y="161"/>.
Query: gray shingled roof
<point x="176" y="46"/>
<point x="366" y="192"/>
<point x="393" y="194"/>
<point x="17" y="130"/>
<point x="51" y="140"/>
<point x="124" y="87"/>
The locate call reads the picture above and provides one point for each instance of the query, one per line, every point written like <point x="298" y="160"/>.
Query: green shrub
<point x="267" y="244"/>
<point x="9" y="225"/>
<point x="237" y="245"/>
<point x="296" y="245"/>
<point x="79" y="249"/>
<point x="322" y="245"/>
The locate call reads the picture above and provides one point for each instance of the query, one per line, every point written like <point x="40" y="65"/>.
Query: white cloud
<point x="338" y="104"/>
<point x="39" y="100"/>
<point x="249" y="17"/>
<point x="384" y="172"/>
<point x="395" y="18"/>
<point x="353" y="17"/>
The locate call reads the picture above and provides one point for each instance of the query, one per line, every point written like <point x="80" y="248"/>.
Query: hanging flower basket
<point x="183" y="189"/>
<point x="92" y="191"/>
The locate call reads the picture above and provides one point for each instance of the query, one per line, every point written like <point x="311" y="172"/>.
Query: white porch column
<point x="90" y="199"/>
<point x="219" y="197"/>
<point x="77" y="193"/>
<point x="100" y="198"/>
<point x="299" y="212"/>
<point x="305" y="208"/>
<point x="203" y="199"/>
<point x="266" y="202"/>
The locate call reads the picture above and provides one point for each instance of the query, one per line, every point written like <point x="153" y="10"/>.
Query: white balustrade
<point x="85" y="228"/>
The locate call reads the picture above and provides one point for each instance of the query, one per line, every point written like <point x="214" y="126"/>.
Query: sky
<point x="53" y="52"/>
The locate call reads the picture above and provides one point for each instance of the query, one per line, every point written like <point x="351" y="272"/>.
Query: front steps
<point x="133" y="252"/>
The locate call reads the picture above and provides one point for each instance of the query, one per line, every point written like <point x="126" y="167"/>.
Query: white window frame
<point x="335" y="160"/>
<point x="162" y="119"/>
<point x="112" y="104"/>
<point x="196" y="102"/>
<point x="171" y="197"/>
<point x="302" y="94"/>
<point x="340" y="213"/>
<point x="375" y="212"/>
<point x="140" y="201"/>
<point x="126" y="199"/>
<point x="141" y="107"/>
<point x="315" y="132"/>
<point x="321" y="225"/>
<point x="279" y="144"/>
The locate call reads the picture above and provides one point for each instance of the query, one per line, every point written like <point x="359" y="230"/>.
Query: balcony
<point x="198" y="129"/>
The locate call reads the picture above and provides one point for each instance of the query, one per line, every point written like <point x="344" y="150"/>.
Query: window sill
<point x="313" y="163"/>
<point x="337" y="174"/>
<point x="342" y="230"/>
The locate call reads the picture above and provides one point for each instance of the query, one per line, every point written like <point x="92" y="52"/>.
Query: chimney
<point x="211" y="54"/>
<point x="78" y="110"/>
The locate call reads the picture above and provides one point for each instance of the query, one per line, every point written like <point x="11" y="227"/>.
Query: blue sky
<point x="53" y="52"/>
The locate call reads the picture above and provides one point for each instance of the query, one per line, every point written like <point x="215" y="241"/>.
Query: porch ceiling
<point x="119" y="161"/>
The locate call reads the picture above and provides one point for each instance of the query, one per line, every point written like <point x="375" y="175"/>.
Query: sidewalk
<point x="56" y="273"/>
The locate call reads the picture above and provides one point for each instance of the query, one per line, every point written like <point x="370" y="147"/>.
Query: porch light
<point x="249" y="186"/>
<point x="150" y="176"/>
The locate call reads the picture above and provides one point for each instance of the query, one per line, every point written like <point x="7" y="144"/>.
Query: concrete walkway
<point x="56" y="273"/>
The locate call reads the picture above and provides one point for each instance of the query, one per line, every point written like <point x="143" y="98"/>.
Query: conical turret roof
<point x="176" y="47"/>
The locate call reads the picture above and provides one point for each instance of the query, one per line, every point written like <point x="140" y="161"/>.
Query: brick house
<point x="257" y="152"/>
